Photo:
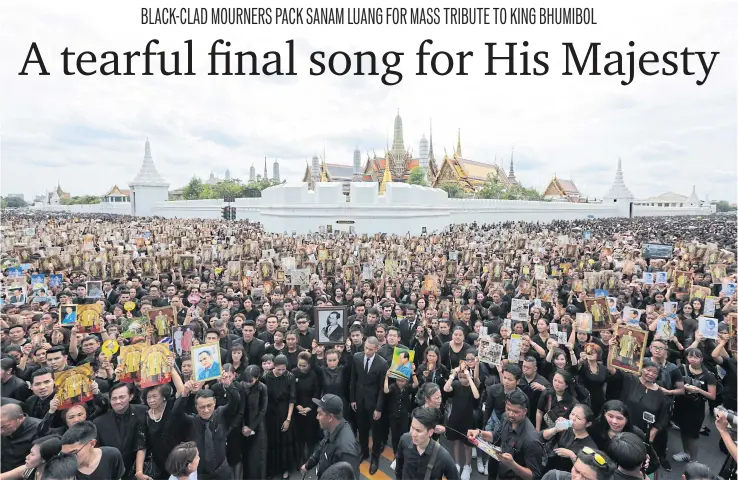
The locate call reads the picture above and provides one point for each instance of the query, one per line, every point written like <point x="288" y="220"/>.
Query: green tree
<point x="80" y="200"/>
<point x="208" y="192"/>
<point x="14" y="202"/>
<point x="492" y="188"/>
<point x="228" y="188"/>
<point x="193" y="189"/>
<point x="417" y="177"/>
<point x="724" y="206"/>
<point x="453" y="190"/>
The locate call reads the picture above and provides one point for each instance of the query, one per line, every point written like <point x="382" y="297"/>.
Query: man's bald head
<point x="11" y="417"/>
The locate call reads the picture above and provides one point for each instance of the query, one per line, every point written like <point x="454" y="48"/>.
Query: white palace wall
<point x="402" y="209"/>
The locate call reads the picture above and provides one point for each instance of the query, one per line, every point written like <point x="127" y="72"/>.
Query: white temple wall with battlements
<point x="403" y="208"/>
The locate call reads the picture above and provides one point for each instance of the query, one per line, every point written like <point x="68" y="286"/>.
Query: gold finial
<point x="458" y="144"/>
<point x="385" y="180"/>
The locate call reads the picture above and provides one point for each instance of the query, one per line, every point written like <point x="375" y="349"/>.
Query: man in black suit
<point x="407" y="326"/>
<point x="367" y="398"/>
<point x="124" y="427"/>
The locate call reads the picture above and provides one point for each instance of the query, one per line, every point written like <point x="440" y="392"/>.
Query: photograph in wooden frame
<point x="330" y="324"/>
<point x="601" y="319"/>
<point x="732" y="320"/>
<point x="628" y="354"/>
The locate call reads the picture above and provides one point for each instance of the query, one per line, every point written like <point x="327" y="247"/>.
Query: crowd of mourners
<point x="556" y="408"/>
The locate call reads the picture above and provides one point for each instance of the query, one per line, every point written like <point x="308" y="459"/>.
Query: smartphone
<point x="648" y="417"/>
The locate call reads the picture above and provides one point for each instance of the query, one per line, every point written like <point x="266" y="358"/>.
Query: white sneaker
<point x="458" y="468"/>
<point x="466" y="472"/>
<point x="681" y="457"/>
<point x="486" y="469"/>
<point x="474" y="452"/>
<point x="392" y="465"/>
<point x="481" y="465"/>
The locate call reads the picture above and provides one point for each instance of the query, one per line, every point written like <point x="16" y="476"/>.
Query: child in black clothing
<point x="400" y="397"/>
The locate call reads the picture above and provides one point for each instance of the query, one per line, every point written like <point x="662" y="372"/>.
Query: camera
<point x="729" y="414"/>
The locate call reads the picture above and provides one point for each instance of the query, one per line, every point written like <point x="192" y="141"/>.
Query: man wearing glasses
<point x="521" y="448"/>
<point x="93" y="462"/>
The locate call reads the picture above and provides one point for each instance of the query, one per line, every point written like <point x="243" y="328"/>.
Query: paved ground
<point x="709" y="454"/>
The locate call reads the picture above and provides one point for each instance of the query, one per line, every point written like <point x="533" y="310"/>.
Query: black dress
<point x="462" y="408"/>
<point x="163" y="436"/>
<point x="689" y="409"/>
<point x="307" y="387"/>
<point x="282" y="454"/>
<point x="255" y="446"/>
<point x="595" y="383"/>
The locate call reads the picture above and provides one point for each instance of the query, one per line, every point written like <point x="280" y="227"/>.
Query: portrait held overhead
<point x="248" y="242"/>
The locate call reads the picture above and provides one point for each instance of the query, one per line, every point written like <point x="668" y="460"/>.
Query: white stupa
<point x="148" y="188"/>
<point x="619" y="193"/>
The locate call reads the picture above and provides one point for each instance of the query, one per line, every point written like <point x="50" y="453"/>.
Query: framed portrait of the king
<point x="330" y="324"/>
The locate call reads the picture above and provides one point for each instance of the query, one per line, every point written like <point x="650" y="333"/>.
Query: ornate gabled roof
<point x="148" y="175"/>
<point x="118" y="192"/>
<point x="618" y="189"/>
<point x="563" y="188"/>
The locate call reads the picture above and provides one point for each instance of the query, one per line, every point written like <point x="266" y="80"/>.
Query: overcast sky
<point x="88" y="132"/>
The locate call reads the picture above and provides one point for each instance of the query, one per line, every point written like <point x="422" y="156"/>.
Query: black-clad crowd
<point x="288" y="400"/>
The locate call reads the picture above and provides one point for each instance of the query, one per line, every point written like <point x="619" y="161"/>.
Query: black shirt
<point x="339" y="446"/>
<point x="523" y="443"/>
<point x="412" y="465"/>
<point x="110" y="466"/>
<point x="400" y="401"/>
<point x="16" y="446"/>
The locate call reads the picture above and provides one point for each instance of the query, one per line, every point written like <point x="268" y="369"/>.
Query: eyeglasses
<point x="599" y="459"/>
<point x="75" y="452"/>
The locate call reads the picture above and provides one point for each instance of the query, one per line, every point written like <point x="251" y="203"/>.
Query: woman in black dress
<point x="165" y="429"/>
<point x="593" y="375"/>
<point x="307" y="387"/>
<point x="465" y="397"/>
<point x="557" y="403"/>
<point x="689" y="409"/>
<point x="641" y="394"/>
<point x="253" y="426"/>
<point x="282" y="455"/>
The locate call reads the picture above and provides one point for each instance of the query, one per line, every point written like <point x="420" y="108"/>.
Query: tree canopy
<point x="494" y="188"/>
<point x="417" y="177"/>
<point x="81" y="200"/>
<point x="197" y="190"/>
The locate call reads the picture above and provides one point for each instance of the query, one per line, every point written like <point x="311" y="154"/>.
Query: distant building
<point x="116" y="195"/>
<point x="671" y="199"/>
<point x="329" y="172"/>
<point x="468" y="174"/>
<point x="16" y="195"/>
<point x="56" y="195"/>
<point x="562" y="191"/>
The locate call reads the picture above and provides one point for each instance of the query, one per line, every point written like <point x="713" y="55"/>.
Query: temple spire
<point x="398" y="148"/>
<point x="458" y="144"/>
<point x="618" y="190"/>
<point x="430" y="140"/>
<point x="511" y="175"/>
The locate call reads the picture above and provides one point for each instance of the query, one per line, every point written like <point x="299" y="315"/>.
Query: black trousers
<point x="365" y="422"/>
<point x="398" y="427"/>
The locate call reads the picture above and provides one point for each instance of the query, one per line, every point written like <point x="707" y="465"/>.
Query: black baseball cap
<point x="330" y="404"/>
